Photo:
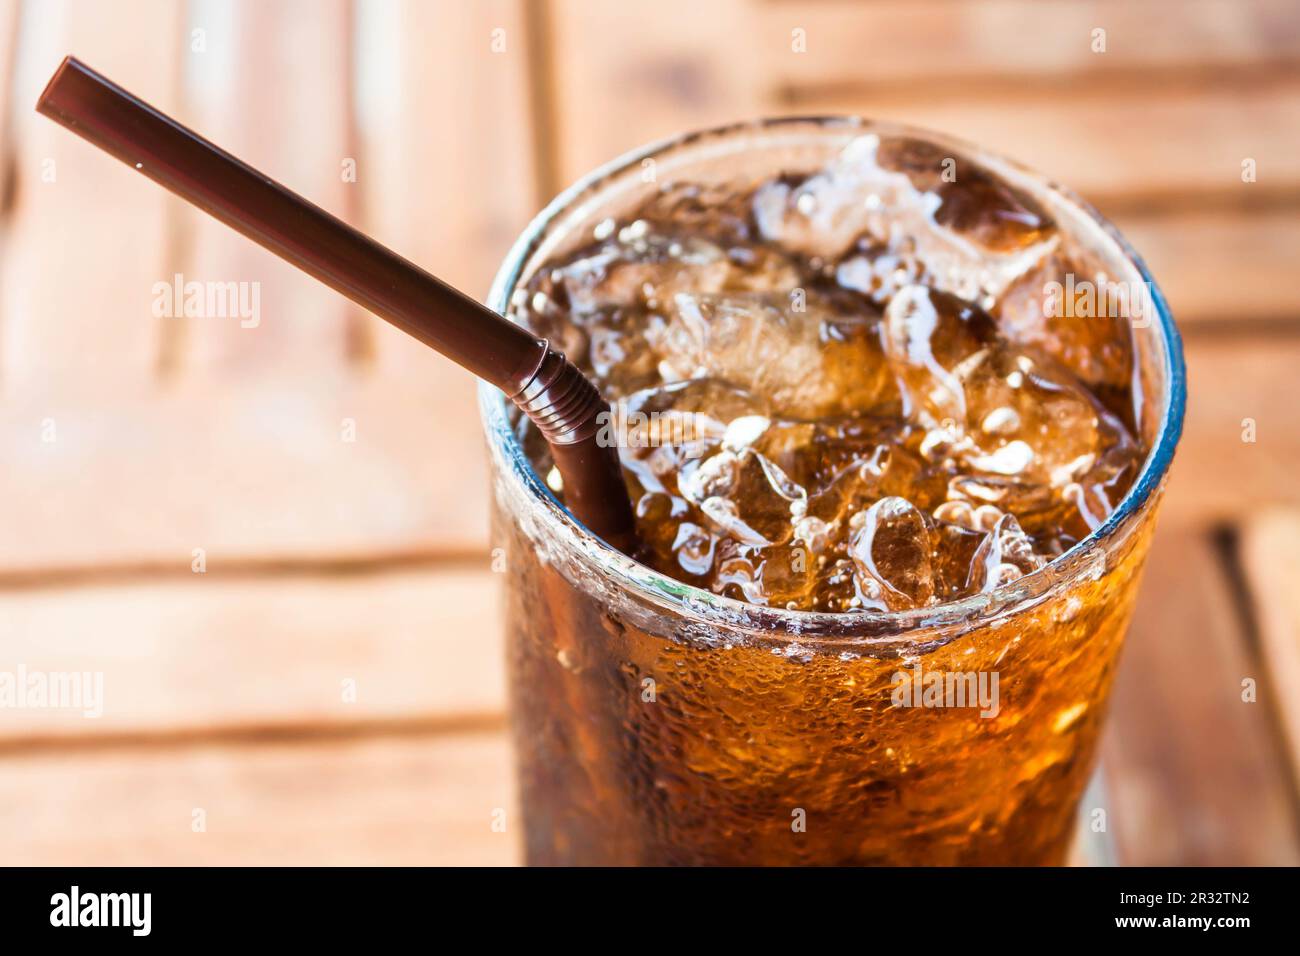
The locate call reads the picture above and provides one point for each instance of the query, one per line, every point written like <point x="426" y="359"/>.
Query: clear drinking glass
<point x="657" y="723"/>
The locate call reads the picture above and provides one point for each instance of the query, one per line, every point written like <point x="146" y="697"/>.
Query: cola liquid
<point x="859" y="388"/>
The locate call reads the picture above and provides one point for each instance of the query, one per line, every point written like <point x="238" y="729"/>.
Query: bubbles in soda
<point x="850" y="389"/>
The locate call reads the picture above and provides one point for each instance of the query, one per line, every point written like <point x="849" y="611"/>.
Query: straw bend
<point x="562" y="402"/>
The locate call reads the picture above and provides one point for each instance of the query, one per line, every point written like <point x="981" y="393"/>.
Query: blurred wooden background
<point x="129" y="441"/>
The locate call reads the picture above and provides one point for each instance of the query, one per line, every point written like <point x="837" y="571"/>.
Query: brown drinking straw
<point x="548" y="388"/>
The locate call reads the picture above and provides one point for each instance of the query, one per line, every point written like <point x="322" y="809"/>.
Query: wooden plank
<point x="270" y="83"/>
<point x="1270" y="554"/>
<point x="1108" y="146"/>
<point x="623" y="79"/>
<point x="409" y="801"/>
<point x="9" y="10"/>
<point x="624" y="76"/>
<point x="1240" y="388"/>
<point x="261" y="472"/>
<point x="202" y="651"/>
<point x="87" y="238"/>
<point x="1221" y="266"/>
<point x="446" y="169"/>
<point x="937" y="40"/>
<point x="424" y="801"/>
<point x="9" y="25"/>
<point x="268" y="443"/>
<point x="1192" y="770"/>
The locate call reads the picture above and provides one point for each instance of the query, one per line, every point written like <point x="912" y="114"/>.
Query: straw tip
<point x="44" y="103"/>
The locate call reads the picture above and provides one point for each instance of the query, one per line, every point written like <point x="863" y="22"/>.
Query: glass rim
<point x="867" y="625"/>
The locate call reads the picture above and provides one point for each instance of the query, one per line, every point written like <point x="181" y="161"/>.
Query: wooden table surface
<point x="329" y="688"/>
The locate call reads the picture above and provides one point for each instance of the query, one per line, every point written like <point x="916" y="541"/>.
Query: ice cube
<point x="972" y="236"/>
<point x="1019" y="428"/>
<point x="724" y="515"/>
<point x="642" y="270"/>
<point x="1063" y="306"/>
<point x="1096" y="494"/>
<point x="738" y="574"/>
<point x="716" y="212"/>
<point x="1005" y="554"/>
<point x="931" y="339"/>
<point x="644" y="263"/>
<point x="807" y="356"/>
<point x="693" y="547"/>
<point x="973" y="202"/>
<point x="1061" y="429"/>
<point x="879" y="272"/>
<point x="1003" y="410"/>
<point x="891" y="552"/>
<point x="955" y="547"/>
<point x="819" y="217"/>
